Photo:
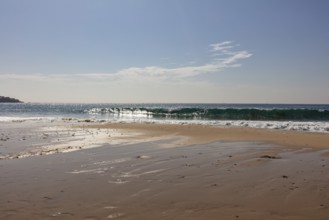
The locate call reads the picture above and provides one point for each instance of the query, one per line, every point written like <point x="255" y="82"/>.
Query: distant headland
<point x="4" y="99"/>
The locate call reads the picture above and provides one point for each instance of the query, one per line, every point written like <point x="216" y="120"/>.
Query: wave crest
<point x="217" y="113"/>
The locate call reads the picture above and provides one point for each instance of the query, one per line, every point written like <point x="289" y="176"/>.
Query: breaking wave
<point x="216" y="113"/>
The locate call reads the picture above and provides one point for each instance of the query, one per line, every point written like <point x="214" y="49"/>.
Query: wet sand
<point x="172" y="172"/>
<point x="199" y="134"/>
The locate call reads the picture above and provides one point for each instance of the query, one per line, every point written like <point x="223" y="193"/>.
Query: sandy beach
<point x="164" y="110"/>
<point x="80" y="170"/>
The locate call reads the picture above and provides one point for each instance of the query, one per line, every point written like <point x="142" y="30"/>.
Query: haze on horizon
<point x="185" y="51"/>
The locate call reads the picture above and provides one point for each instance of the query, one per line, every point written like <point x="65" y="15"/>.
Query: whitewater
<point x="307" y="118"/>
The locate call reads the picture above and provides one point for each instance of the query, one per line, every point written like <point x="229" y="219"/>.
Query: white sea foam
<point x="144" y="117"/>
<point x="280" y="125"/>
<point x="22" y="119"/>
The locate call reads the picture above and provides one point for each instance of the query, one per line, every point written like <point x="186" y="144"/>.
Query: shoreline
<point x="37" y="138"/>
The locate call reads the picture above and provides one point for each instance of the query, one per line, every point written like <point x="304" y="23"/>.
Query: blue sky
<point x="255" y="51"/>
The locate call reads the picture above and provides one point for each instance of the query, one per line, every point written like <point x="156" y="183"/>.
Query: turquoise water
<point x="258" y="112"/>
<point x="310" y="118"/>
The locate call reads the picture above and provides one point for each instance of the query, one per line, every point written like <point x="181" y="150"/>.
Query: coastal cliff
<point x="4" y="99"/>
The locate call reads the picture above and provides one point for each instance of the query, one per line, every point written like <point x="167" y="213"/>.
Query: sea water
<point x="312" y="118"/>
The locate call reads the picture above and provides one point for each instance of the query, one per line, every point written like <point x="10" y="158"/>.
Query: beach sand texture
<point x="151" y="171"/>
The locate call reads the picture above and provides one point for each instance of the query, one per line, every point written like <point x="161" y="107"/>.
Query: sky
<point x="159" y="51"/>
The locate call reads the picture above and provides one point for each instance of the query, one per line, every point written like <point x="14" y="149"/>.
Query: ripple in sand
<point x="97" y="171"/>
<point x="108" y="162"/>
<point x="110" y="207"/>
<point x="115" y="215"/>
<point x="118" y="181"/>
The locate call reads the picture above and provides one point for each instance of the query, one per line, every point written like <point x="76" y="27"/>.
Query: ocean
<point x="313" y="118"/>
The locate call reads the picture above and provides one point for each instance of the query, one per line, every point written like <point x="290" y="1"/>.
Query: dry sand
<point x="173" y="172"/>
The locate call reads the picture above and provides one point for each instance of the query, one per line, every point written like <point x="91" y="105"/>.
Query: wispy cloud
<point x="37" y="77"/>
<point x="223" y="55"/>
<point x="229" y="58"/>
<point x="221" y="47"/>
<point x="23" y="76"/>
